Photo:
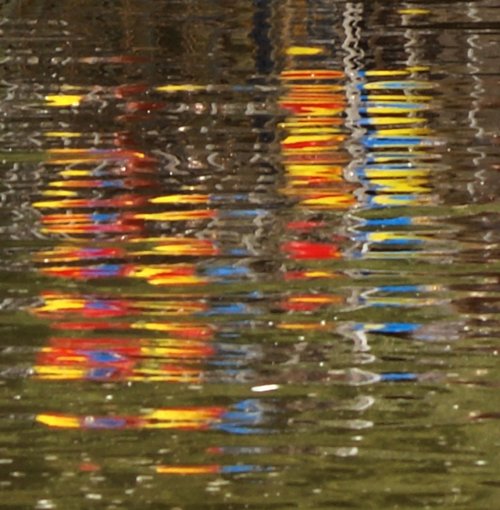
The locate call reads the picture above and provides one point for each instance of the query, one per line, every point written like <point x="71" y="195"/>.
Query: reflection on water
<point x="249" y="249"/>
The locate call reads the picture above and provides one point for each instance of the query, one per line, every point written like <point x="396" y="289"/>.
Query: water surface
<point x="249" y="254"/>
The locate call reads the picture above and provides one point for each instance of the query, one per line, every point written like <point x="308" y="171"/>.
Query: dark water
<point x="250" y="254"/>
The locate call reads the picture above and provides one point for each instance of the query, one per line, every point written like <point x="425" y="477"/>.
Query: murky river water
<point x="250" y="254"/>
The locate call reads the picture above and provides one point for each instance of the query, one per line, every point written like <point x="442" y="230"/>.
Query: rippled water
<point x="249" y="254"/>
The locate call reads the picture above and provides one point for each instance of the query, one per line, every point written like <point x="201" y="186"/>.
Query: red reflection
<point x="305" y="250"/>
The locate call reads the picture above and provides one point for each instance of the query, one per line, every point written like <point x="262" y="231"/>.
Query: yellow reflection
<point x="195" y="418"/>
<point x="380" y="173"/>
<point x="63" y="100"/>
<point x="181" y="199"/>
<point x="407" y="131"/>
<point x="386" y="120"/>
<point x="306" y="275"/>
<point x="58" y="421"/>
<point x="188" y="470"/>
<point x="315" y="170"/>
<point x="187" y="87"/>
<point x="303" y="50"/>
<point x="298" y="129"/>
<point x="176" y="246"/>
<point x="75" y="172"/>
<point x="395" y="200"/>
<point x="387" y="72"/>
<point x="414" y="11"/>
<point x="182" y="418"/>
<point x="73" y="155"/>
<point x="197" y="214"/>
<point x="169" y="374"/>
<point x="56" y="193"/>
<point x="395" y="72"/>
<point x="62" y="134"/>
<point x="59" y="372"/>
<point x="63" y="303"/>
<point x="311" y="142"/>
<point x="406" y="185"/>
<point x="384" y="237"/>
<point x="299" y="326"/>
<point x="187" y="330"/>
<point x="340" y="201"/>
<point x="168" y="275"/>
<point x="387" y="98"/>
<point x="404" y="85"/>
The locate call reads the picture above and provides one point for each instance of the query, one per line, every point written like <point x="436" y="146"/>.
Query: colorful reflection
<point x="113" y="221"/>
<point x="219" y="468"/>
<point x="314" y="157"/>
<point x="209" y="469"/>
<point x="245" y="417"/>
<point x="312" y="149"/>
<point x="398" y="159"/>
<point x="395" y="170"/>
<point x="123" y="359"/>
<point x="134" y="266"/>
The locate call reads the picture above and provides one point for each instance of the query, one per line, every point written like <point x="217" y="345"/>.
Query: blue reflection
<point x="243" y="418"/>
